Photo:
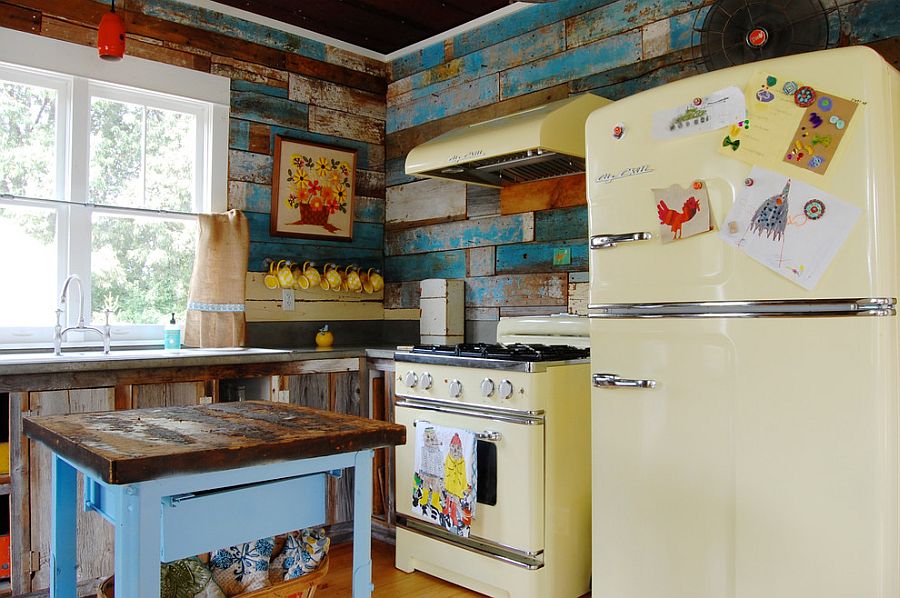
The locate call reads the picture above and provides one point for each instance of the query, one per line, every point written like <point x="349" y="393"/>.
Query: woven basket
<point x="311" y="216"/>
<point x="302" y="587"/>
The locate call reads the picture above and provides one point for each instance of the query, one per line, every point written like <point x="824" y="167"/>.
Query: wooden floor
<point x="389" y="581"/>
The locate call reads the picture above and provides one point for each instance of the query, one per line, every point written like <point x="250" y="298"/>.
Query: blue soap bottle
<point x="172" y="335"/>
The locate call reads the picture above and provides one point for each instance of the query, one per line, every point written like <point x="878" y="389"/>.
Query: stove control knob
<point x="455" y="389"/>
<point x="426" y="381"/>
<point x="411" y="379"/>
<point x="487" y="387"/>
<point x="506" y="389"/>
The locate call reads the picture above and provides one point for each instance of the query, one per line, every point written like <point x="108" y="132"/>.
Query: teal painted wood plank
<point x="441" y="264"/>
<point x="871" y="20"/>
<point x="260" y="252"/>
<point x="522" y="49"/>
<point x="395" y="172"/>
<point x="268" y="109"/>
<point x="481" y="232"/>
<point x="512" y="290"/>
<point x="238" y="134"/>
<point x="241" y="85"/>
<point x="578" y="62"/>
<point x="401" y="295"/>
<point x="419" y="60"/>
<point x="538" y="257"/>
<point x="366" y="235"/>
<point x="368" y="156"/>
<point x="562" y="223"/>
<point x="620" y="16"/>
<point x="216" y="22"/>
<point x="472" y="94"/>
<point x="681" y="28"/>
<point x="627" y="80"/>
<point x="368" y="209"/>
<point x="249" y="167"/>
<point x="250" y="197"/>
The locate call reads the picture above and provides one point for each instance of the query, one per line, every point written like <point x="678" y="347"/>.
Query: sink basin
<point x="69" y="356"/>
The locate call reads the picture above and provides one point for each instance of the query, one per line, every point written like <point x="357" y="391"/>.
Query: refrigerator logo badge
<point x="609" y="177"/>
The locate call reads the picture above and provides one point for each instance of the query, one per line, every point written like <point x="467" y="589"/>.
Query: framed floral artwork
<point x="312" y="190"/>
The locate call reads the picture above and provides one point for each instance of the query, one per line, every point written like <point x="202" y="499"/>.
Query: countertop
<point x="14" y="364"/>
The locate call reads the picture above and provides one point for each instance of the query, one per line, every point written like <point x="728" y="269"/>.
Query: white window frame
<point x="77" y="73"/>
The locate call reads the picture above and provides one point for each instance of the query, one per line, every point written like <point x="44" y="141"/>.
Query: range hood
<point x="540" y="143"/>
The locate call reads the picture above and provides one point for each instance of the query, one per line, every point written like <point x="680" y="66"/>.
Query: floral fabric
<point x="187" y="578"/>
<point x="242" y="568"/>
<point x="303" y="552"/>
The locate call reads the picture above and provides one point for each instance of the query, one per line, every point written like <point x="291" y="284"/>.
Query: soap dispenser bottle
<point x="172" y="335"/>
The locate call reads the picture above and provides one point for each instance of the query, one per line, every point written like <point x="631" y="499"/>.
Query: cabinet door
<point x="95" y="535"/>
<point x="167" y="395"/>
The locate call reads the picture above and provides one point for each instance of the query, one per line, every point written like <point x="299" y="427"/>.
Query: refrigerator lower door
<point x="745" y="457"/>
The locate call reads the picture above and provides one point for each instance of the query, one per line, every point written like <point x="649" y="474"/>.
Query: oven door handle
<point x="487" y="435"/>
<point x="513" y="418"/>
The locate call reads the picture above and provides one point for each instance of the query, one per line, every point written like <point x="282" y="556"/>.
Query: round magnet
<point x="814" y="209"/>
<point x="770" y="80"/>
<point x="698" y="101"/>
<point x="618" y="131"/>
<point x="748" y="182"/>
<point x="805" y="96"/>
<point x="825" y="104"/>
<point x="789" y="88"/>
<point x="698" y="185"/>
<point x="815" y="161"/>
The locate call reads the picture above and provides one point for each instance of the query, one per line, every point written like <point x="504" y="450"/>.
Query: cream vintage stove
<point x="528" y="405"/>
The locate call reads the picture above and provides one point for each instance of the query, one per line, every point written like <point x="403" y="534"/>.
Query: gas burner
<point x="514" y="352"/>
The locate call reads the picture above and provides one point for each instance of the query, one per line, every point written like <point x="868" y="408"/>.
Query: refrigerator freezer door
<point x="630" y="264"/>
<point x="762" y="462"/>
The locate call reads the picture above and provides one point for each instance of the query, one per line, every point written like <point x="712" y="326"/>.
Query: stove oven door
<point x="509" y="514"/>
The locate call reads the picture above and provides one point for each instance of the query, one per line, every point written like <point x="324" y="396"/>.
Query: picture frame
<point x="313" y="190"/>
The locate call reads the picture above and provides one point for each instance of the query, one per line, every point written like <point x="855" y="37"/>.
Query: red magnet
<point x="748" y="182"/>
<point x="698" y="185"/>
<point x="698" y="101"/>
<point x="618" y="131"/>
<point x="805" y="96"/>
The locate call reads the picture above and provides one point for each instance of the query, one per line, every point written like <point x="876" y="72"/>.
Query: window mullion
<point x="78" y="220"/>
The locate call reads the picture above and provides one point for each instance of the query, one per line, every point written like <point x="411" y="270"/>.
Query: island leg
<point x="63" y="555"/>
<point x="362" y="524"/>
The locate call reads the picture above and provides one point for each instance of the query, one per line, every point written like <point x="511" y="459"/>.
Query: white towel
<point x="445" y="478"/>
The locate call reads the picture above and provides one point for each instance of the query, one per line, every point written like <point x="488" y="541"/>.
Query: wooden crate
<point x="302" y="587"/>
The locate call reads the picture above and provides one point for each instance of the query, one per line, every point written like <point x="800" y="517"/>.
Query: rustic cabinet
<point x="330" y="384"/>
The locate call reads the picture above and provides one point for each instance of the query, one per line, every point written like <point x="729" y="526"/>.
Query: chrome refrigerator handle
<point x="613" y="381"/>
<point x="607" y="241"/>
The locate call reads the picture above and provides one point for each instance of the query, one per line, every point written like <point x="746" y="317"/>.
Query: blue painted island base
<point x="175" y="517"/>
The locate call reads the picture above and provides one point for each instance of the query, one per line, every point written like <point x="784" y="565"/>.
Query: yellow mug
<point x="310" y="272"/>
<point x="301" y="282"/>
<point x="333" y="276"/>
<point x="366" y="283"/>
<point x="376" y="279"/>
<point x="353" y="282"/>
<point x="271" y="279"/>
<point x="285" y="276"/>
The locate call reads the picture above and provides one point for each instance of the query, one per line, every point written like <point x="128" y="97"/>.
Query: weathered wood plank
<point x="366" y="235"/>
<point x="401" y="295"/>
<point x="398" y="143"/>
<point x="540" y="310"/>
<point x="605" y="54"/>
<point x="269" y="109"/>
<point x="259" y="138"/>
<point x="439" y="264"/>
<point x="368" y="155"/>
<point x="336" y="74"/>
<point x="480" y="261"/>
<point x="249" y="197"/>
<point x="395" y="172"/>
<point x="627" y="80"/>
<point x="564" y="223"/>
<point x="528" y="47"/>
<point x="484" y="314"/>
<point x="20" y="19"/>
<point x="370" y="183"/>
<point x="482" y="201"/>
<point x="368" y="209"/>
<point x="579" y="298"/>
<point x="278" y="91"/>
<point x="249" y="167"/>
<point x="623" y="15"/>
<point x="310" y="390"/>
<point x="166" y="395"/>
<point x="575" y="277"/>
<point x="240" y="70"/>
<point x="557" y="192"/>
<point x="425" y="202"/>
<point x="497" y="230"/>
<point x="357" y="62"/>
<point x="402" y="314"/>
<point x="256" y="290"/>
<point x="453" y="100"/>
<point x="314" y="311"/>
<point x="516" y="290"/>
<point x="317" y="92"/>
<point x="538" y="257"/>
<point x="20" y="495"/>
<point x="343" y="124"/>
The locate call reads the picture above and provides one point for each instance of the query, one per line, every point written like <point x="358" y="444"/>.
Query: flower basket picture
<point x="312" y="190"/>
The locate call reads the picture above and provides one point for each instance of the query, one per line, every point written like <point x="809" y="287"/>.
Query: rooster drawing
<point x="675" y="219"/>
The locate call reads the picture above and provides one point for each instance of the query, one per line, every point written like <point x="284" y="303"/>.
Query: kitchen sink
<point x="68" y="356"/>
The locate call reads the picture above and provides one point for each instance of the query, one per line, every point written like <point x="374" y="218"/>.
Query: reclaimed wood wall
<point x="281" y="84"/>
<point x="503" y="243"/>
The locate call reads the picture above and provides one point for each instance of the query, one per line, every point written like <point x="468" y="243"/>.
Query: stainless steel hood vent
<point x="540" y="143"/>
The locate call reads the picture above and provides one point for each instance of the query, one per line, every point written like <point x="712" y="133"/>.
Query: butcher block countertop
<point x="122" y="447"/>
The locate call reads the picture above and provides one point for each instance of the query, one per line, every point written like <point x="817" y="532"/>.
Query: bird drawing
<point x="772" y="215"/>
<point x="675" y="219"/>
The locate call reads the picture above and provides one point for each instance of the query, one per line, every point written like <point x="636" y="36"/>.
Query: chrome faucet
<point x="59" y="332"/>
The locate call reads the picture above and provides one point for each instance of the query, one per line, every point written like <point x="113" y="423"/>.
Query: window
<point x="103" y="180"/>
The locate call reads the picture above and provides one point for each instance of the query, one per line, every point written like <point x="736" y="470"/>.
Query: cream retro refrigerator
<point x="745" y="398"/>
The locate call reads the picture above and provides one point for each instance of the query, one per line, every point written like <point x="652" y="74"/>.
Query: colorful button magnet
<point x="837" y="122"/>
<point x="748" y="182"/>
<point x="825" y="103"/>
<point x="789" y="88"/>
<point x="816" y="161"/>
<point x="698" y="101"/>
<point x="814" y="209"/>
<point x="770" y="80"/>
<point x="697" y="185"/>
<point x="618" y="131"/>
<point x="804" y="96"/>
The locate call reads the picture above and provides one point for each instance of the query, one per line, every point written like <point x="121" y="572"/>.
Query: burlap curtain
<point x="215" y="316"/>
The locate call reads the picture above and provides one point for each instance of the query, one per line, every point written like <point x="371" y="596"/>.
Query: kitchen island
<point x="343" y="379"/>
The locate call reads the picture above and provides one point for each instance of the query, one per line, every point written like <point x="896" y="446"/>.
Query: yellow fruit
<point x="324" y="338"/>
